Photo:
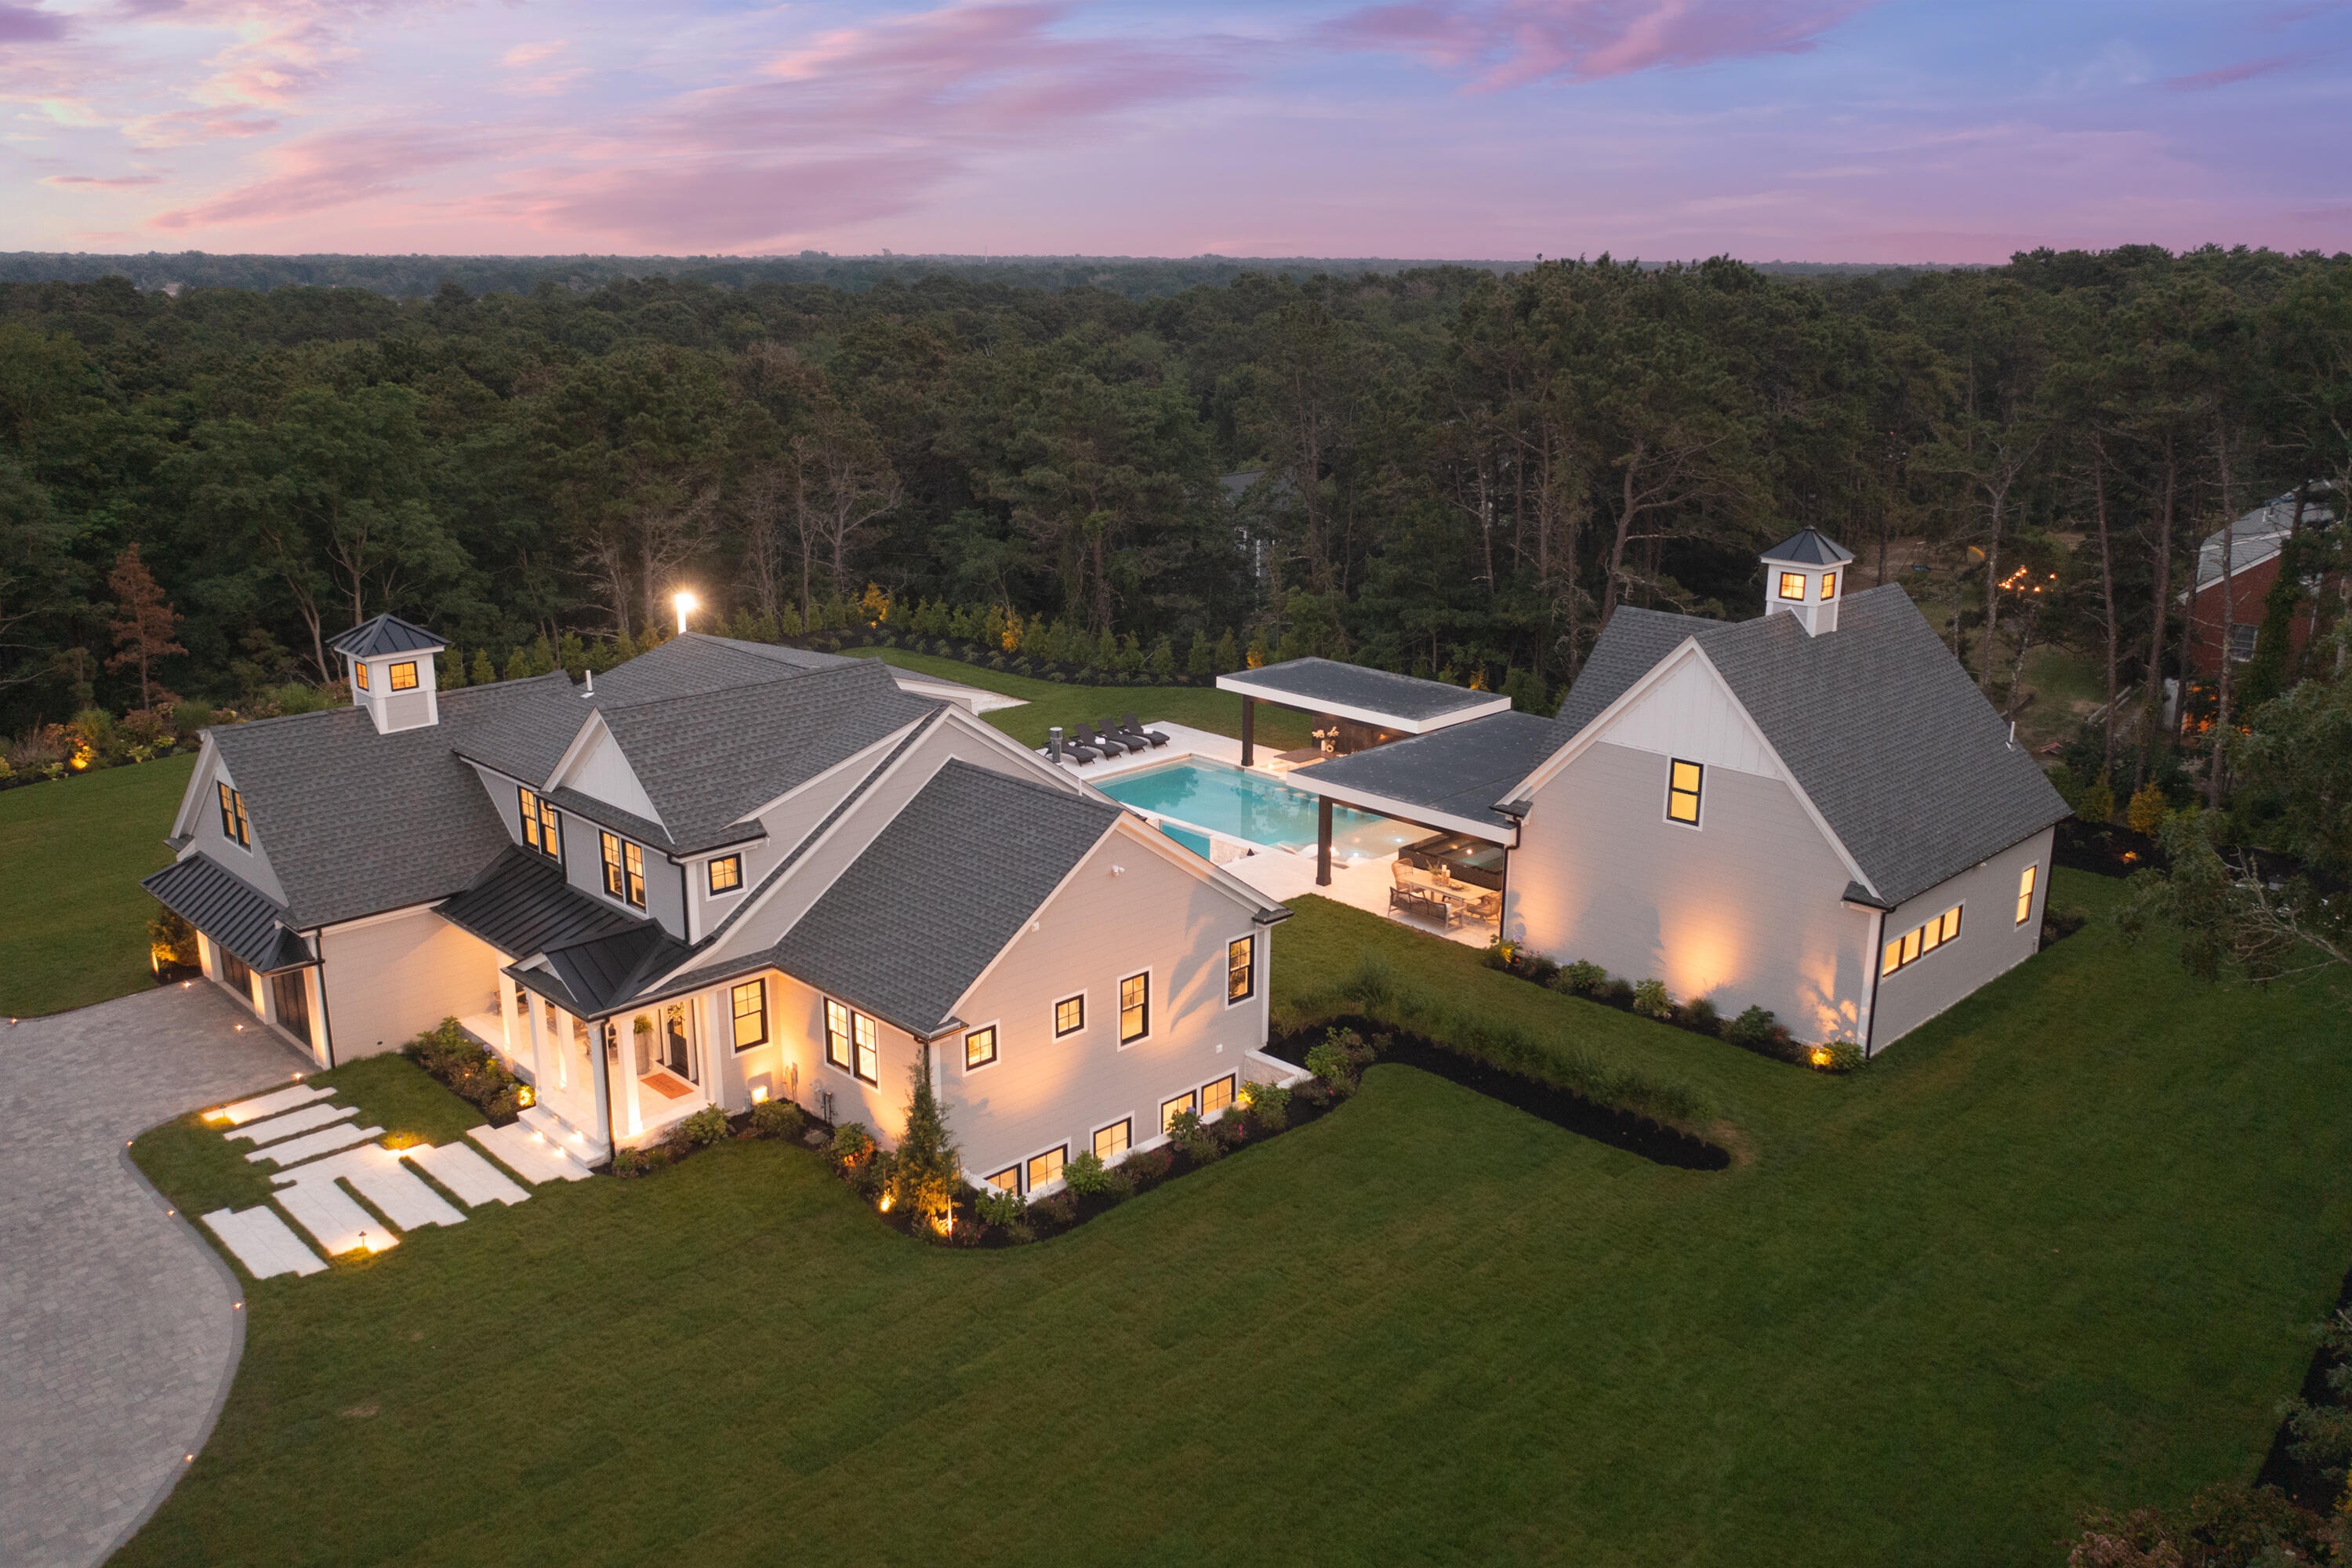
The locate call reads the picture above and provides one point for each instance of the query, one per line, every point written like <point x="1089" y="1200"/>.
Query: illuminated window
<point x="1111" y="1142"/>
<point x="1007" y="1180"/>
<point x="1171" y="1109"/>
<point x="978" y="1048"/>
<point x="1069" y="1015"/>
<point x="359" y="673"/>
<point x="1792" y="585"/>
<point x="1829" y="585"/>
<point x="1216" y="1096"/>
<point x="1134" y="1008"/>
<point x="1241" y="969"/>
<point x="2025" y="894"/>
<point x="1682" y="792"/>
<point x="869" y="1051"/>
<point x="1048" y="1166"/>
<point x="1920" y="941"/>
<point x="539" y="829"/>
<point x="836" y="1035"/>
<point x="404" y="676"/>
<point x="233" y="822"/>
<point x="750" y="1003"/>
<point x="625" y="869"/>
<point x="726" y="873"/>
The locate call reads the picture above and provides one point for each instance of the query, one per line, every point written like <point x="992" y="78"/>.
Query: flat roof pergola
<point x="1403" y="703"/>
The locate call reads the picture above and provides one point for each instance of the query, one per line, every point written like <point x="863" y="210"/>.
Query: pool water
<point x="1251" y="807"/>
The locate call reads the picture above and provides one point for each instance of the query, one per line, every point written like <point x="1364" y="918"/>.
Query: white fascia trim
<point x="865" y="757"/>
<point x="401" y="913"/>
<point x="208" y="764"/>
<point x="1365" y="715"/>
<point x="1034" y="767"/>
<point x="589" y="728"/>
<point x="1384" y="806"/>
<point x="1184" y="860"/>
<point x="1586" y="738"/>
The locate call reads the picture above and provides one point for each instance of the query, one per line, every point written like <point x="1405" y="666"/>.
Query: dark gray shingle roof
<point x="1306" y="682"/>
<point x="384" y="634"/>
<point x="1884" y="732"/>
<point x="1463" y="771"/>
<point x="355" y="823"/>
<point x="1807" y="548"/>
<point x="522" y="905"/>
<point x="913" y="922"/>
<point x="230" y="910"/>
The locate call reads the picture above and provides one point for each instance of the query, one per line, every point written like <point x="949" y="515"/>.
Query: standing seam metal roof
<point x="1304" y="682"/>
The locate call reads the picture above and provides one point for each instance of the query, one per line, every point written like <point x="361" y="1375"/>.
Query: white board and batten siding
<point x="1993" y="940"/>
<point x="392" y="977"/>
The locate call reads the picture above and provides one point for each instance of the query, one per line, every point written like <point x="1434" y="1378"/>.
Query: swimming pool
<point x="1252" y="808"/>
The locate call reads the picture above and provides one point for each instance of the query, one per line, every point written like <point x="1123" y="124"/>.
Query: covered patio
<point x="1355" y="708"/>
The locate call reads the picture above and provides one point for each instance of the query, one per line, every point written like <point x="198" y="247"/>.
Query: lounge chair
<point x="1127" y="726"/>
<point x="1077" y="754"/>
<point x="1109" y="745"/>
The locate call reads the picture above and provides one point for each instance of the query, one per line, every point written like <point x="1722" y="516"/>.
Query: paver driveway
<point x="117" y="1326"/>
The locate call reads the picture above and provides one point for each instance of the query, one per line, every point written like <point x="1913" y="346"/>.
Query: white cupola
<point x="1805" y="575"/>
<point x="391" y="673"/>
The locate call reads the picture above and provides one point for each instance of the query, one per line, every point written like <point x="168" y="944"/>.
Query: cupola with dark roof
<point x="391" y="673"/>
<point x="1804" y="575"/>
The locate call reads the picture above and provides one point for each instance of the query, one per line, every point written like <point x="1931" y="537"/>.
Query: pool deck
<point x="1280" y="874"/>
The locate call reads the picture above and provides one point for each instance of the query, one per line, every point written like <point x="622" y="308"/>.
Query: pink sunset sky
<point x="1815" y="129"/>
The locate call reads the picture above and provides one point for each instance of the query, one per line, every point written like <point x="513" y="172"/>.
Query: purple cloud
<point x="1510" y="43"/>
<point x="104" y="182"/>
<point x="2222" y="75"/>
<point x="29" y="25"/>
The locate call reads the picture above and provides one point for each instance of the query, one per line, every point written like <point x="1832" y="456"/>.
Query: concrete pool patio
<point x="123" y="1324"/>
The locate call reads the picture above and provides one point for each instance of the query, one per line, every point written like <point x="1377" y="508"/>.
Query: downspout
<point x="1877" y="960"/>
<point x="606" y="1050"/>
<point x="326" y="1029"/>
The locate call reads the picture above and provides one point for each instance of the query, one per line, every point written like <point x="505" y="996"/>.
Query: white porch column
<point x="538" y="1008"/>
<point x="632" y="1123"/>
<point x="719" y="1048"/>
<point x="600" y="1079"/>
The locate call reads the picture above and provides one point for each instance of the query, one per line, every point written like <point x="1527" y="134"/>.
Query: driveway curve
<point x="118" y="1328"/>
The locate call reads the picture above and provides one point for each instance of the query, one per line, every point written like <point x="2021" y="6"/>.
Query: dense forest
<point x="1458" y="473"/>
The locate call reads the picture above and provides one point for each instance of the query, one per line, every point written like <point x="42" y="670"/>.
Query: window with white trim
<point x="1792" y="585"/>
<point x="1241" y="969"/>
<point x="726" y="873"/>
<point x="1682" y="783"/>
<point x="1007" y="1180"/>
<point x="1170" y="1109"/>
<point x="750" y="1002"/>
<point x="1048" y="1166"/>
<point x="1111" y="1142"/>
<point x="404" y="676"/>
<point x="1069" y="1015"/>
<point x="1134" y="1008"/>
<point x="542" y="830"/>
<point x="1920" y="941"/>
<point x="233" y="824"/>
<point x="1215" y="1096"/>
<point x="2025" y="893"/>
<point x="979" y="1048"/>
<point x="625" y="869"/>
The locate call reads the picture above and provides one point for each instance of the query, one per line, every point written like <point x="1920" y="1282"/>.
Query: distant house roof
<point x="232" y="912"/>
<point x="1369" y="696"/>
<point x="384" y="635"/>
<point x="958" y="872"/>
<point x="1807" y="548"/>
<point x="1462" y="773"/>
<point x="522" y="905"/>
<point x="1883" y="730"/>
<point x="2260" y="534"/>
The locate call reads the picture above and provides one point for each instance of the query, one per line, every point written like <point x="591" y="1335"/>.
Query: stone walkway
<point x="118" y="1328"/>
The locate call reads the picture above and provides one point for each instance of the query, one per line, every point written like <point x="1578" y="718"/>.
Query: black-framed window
<point x="360" y="674"/>
<point x="837" y="1049"/>
<point x="750" y="1001"/>
<point x="1829" y="585"/>
<point x="850" y="1042"/>
<point x="1111" y="1142"/>
<point x="726" y="873"/>
<point x="542" y="830"/>
<point x="1215" y="1096"/>
<point x="233" y="824"/>
<point x="404" y="676"/>
<point x="1170" y="1109"/>
<point x="979" y="1048"/>
<point x="625" y="869"/>
<point x="1916" y="943"/>
<point x="1007" y="1180"/>
<point x="1683" y="781"/>
<point x="1134" y="1007"/>
<point x="1069" y="1015"/>
<point x="1792" y="585"/>
<point x="1048" y="1166"/>
<point x="1241" y="969"/>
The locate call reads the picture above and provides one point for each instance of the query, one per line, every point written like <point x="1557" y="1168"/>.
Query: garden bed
<point x="980" y="657"/>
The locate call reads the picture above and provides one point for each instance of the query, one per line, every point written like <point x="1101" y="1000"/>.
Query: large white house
<point x="722" y="872"/>
<point x="1814" y="811"/>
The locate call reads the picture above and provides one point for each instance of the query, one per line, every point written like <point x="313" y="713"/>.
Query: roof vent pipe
<point x="590" y="691"/>
<point x="1054" y="744"/>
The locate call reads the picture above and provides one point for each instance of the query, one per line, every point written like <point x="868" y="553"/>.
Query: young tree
<point x="143" y="630"/>
<point x="928" y="1166"/>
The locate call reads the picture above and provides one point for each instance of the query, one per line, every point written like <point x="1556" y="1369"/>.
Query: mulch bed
<point x="2311" y="1485"/>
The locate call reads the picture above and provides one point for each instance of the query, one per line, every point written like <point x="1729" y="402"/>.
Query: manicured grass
<point x="2055" y="1249"/>
<point x="1055" y="702"/>
<point x="73" y="929"/>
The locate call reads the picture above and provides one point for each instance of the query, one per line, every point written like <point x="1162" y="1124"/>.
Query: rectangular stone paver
<point x="271" y="1128"/>
<point x="262" y="1242"/>
<point x="397" y="1191"/>
<point x="246" y="1110"/>
<point x="331" y="1214"/>
<point x="527" y="1154"/>
<point x="325" y="1142"/>
<point x="474" y="1179"/>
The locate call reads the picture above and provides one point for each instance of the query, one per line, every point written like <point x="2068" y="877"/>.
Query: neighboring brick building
<point x="2256" y="540"/>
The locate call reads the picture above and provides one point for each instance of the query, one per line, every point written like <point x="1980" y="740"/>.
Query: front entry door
<point x="291" y="992"/>
<point x="677" y="1054"/>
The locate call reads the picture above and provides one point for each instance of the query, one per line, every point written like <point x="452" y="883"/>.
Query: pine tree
<point x="572" y="653"/>
<point x="1201" y="658"/>
<point x="143" y="630"/>
<point x="518" y="663"/>
<point x="484" y="673"/>
<point x="453" y="669"/>
<point x="928" y="1166"/>
<point x="1259" y="652"/>
<point x="1163" y="662"/>
<point x="543" y="656"/>
<point x="2099" y="802"/>
<point x="1229" y="655"/>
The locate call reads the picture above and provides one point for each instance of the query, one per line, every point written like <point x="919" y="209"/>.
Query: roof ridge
<point x="784" y="672"/>
<point x="1038" y="786"/>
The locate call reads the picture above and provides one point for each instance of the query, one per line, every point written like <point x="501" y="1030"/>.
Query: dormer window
<point x="1829" y="585"/>
<point x="624" y="870"/>
<point x="726" y="873"/>
<point x="1793" y="586"/>
<point x="542" y="829"/>
<point x="233" y="822"/>
<point x="404" y="676"/>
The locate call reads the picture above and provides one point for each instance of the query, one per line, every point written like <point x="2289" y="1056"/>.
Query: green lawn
<point x="1053" y="702"/>
<point x="74" y="929"/>
<point x="2055" y="1249"/>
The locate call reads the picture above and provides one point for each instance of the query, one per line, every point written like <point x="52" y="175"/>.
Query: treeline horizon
<point x="1459" y="469"/>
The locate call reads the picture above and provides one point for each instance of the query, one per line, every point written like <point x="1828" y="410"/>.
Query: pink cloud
<point x="102" y="182"/>
<point x="334" y="170"/>
<point x="2222" y="75"/>
<point x="1511" y="43"/>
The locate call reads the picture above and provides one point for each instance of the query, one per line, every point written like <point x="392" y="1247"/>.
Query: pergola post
<point x="1323" y="842"/>
<point x="1249" y="728"/>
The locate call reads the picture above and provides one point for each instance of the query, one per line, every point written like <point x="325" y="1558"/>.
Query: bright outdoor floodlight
<point x="686" y="603"/>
